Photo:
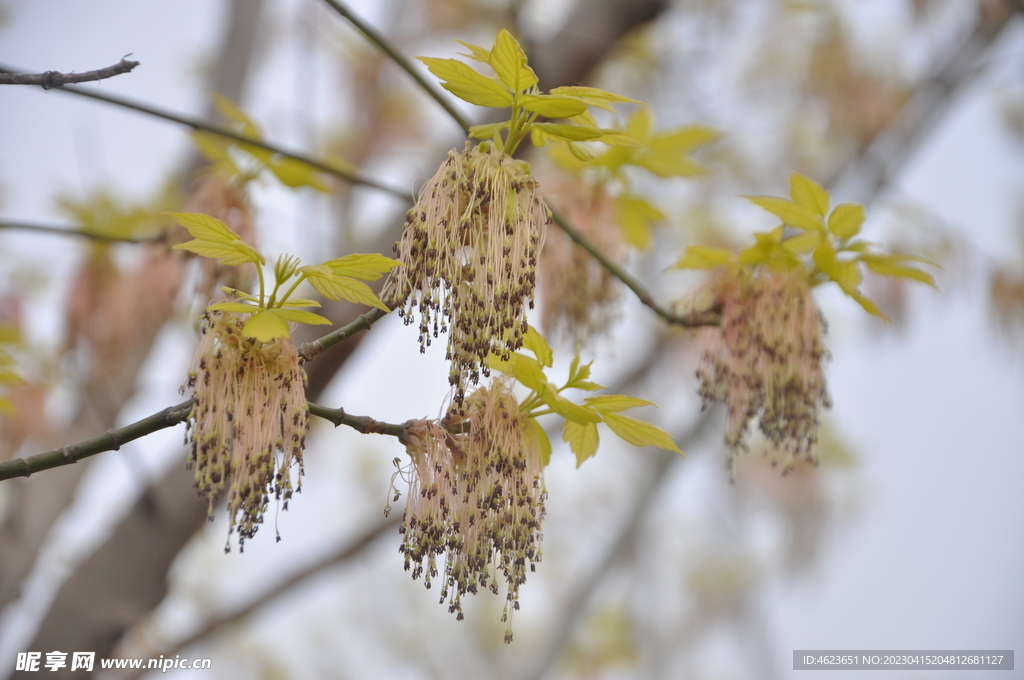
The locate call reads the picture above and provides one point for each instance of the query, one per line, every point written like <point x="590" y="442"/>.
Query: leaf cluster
<point x="514" y="86"/>
<point x="338" y="279"/>
<point x="579" y="428"/>
<point x="248" y="161"/>
<point x="822" y="240"/>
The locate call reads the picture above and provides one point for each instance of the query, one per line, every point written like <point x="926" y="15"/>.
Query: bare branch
<point x="691" y="320"/>
<point x="324" y="166"/>
<point x="52" y="79"/>
<point x="364" y="424"/>
<point x="72" y="231"/>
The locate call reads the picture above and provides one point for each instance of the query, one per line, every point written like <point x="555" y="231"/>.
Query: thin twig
<point x="196" y="124"/>
<point x="52" y="79"/>
<point x="309" y="350"/>
<point x="363" y="424"/>
<point x="81" y="233"/>
<point x="378" y="39"/>
<point x="691" y="320"/>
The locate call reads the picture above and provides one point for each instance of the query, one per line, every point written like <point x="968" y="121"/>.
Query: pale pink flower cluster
<point x="476" y="495"/>
<point x="765" y="361"/>
<point x="249" y="419"/>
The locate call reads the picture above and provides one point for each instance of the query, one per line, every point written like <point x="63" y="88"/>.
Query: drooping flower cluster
<point x="249" y="419"/>
<point x="765" y="360"/>
<point x="476" y="494"/>
<point x="470" y="251"/>
<point x="579" y="292"/>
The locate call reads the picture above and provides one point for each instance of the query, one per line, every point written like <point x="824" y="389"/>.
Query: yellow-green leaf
<point x="804" y="242"/>
<point x="205" y="227"/>
<point x="790" y="212"/>
<point x="846" y="220"/>
<point x="566" y="408"/>
<point x="809" y="194"/>
<point x="363" y="266"/>
<point x="488" y="131"/>
<point x="552" y="106"/>
<point x="236" y="307"/>
<point x="300" y="302"/>
<point x="233" y="254"/>
<point x="582" y="438"/>
<point x="337" y="287"/>
<point x="640" y="433"/>
<point x="523" y="368"/>
<point x="295" y="173"/>
<point x="595" y="96"/>
<point x="581" y="152"/>
<point x="543" y="442"/>
<point x="613" y="403"/>
<point x="536" y="343"/>
<point x="884" y="265"/>
<point x="229" y="110"/>
<point x="668" y="163"/>
<point x="509" y="61"/>
<point x="705" y="257"/>
<point x="635" y="216"/>
<point x="265" y="326"/>
<point x="869" y="306"/>
<point x="467" y="84"/>
<point x="302" y="316"/>
<point x="476" y="52"/>
<point x="684" y="139"/>
<point x="572" y="133"/>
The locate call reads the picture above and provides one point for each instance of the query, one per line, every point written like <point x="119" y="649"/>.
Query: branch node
<point x="117" y="440"/>
<point x="52" y="79"/>
<point x="311" y="350"/>
<point x="66" y="452"/>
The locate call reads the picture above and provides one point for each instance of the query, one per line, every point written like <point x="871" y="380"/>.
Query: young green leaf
<point x="521" y="367"/>
<point x="467" y="84"/>
<point x="509" y="61"/>
<point x="640" y="433"/>
<point x="302" y="316"/>
<point x="846" y="220"/>
<point x="266" y="326"/>
<point x="566" y="408"/>
<point x="362" y="266"/>
<point x="809" y="194"/>
<point x="235" y="307"/>
<point x="613" y="403"/>
<point x="536" y="343"/>
<point x="573" y="133"/>
<point x="790" y="212"/>
<point x="886" y="265"/>
<point x="337" y="287"/>
<point x="582" y="438"/>
<point x="804" y="242"/>
<point x="477" y="53"/>
<point x="294" y="173"/>
<point x="552" y="106"/>
<point x="705" y="257"/>
<point x="543" y="441"/>
<point x="635" y="216"/>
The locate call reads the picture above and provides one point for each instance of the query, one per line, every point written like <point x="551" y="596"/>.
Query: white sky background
<point x="933" y="557"/>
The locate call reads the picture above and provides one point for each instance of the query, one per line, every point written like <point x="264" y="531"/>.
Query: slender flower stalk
<point x="249" y="420"/>
<point x="476" y="494"/>
<point x="765" y="361"/>
<point x="470" y="248"/>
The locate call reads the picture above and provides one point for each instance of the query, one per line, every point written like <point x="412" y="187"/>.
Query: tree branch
<point x="691" y="320"/>
<point x="71" y="231"/>
<point x="378" y="39"/>
<point x="309" y="350"/>
<point x="196" y="124"/>
<point x="110" y="441"/>
<point x="364" y="424"/>
<point x="52" y="79"/>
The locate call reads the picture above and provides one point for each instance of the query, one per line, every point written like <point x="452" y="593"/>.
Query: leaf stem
<point x="284" y="298"/>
